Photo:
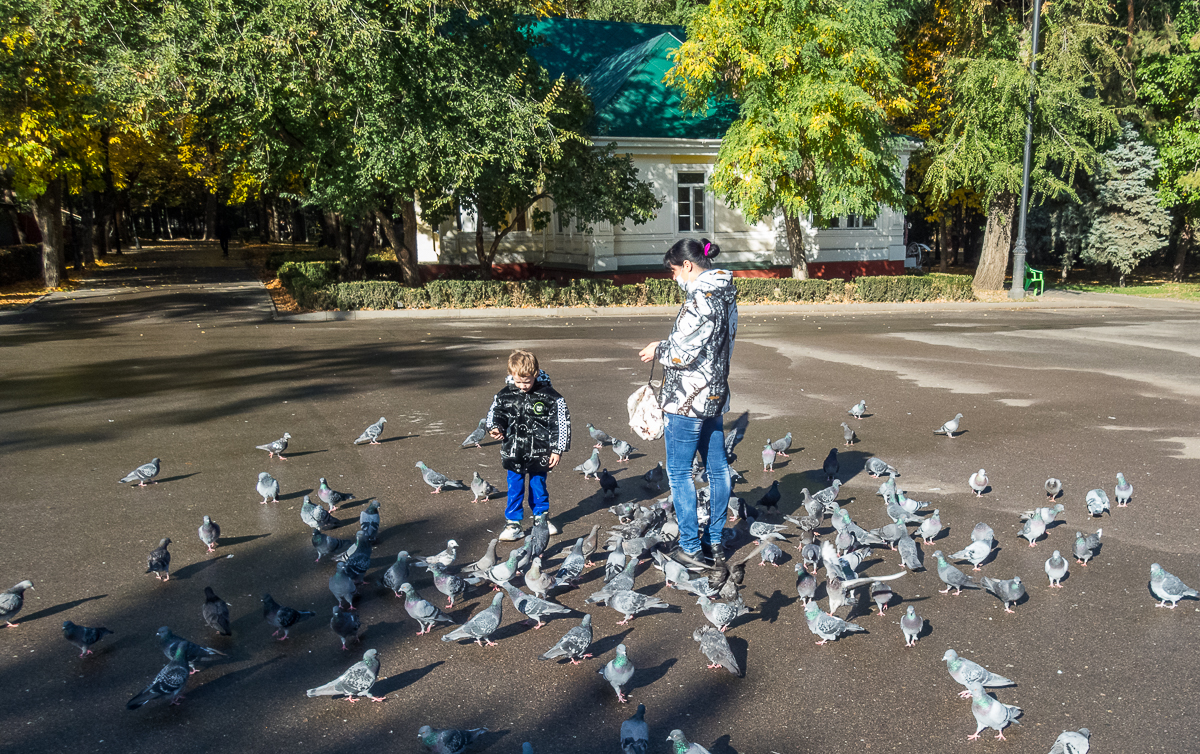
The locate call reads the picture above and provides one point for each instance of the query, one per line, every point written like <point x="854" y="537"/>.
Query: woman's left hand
<point x="647" y="353"/>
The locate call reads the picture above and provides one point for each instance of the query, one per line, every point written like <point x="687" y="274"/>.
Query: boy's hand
<point x="554" y="459"/>
<point x="496" y="434"/>
<point x="647" y="353"/>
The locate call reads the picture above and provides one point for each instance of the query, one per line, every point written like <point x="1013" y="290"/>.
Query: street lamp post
<point x="1018" y="285"/>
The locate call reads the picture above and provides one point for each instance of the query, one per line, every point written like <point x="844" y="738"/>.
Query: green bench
<point x="1035" y="279"/>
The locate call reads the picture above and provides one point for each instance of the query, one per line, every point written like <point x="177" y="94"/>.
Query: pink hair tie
<point x="707" y="246"/>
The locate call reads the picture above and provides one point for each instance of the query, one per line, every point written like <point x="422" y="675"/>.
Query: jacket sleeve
<point x="690" y="335"/>
<point x="562" y="424"/>
<point x="496" y="418"/>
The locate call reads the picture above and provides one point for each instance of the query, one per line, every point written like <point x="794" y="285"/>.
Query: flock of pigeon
<point x="637" y="535"/>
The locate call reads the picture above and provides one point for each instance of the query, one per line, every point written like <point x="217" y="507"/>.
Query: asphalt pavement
<point x="186" y="364"/>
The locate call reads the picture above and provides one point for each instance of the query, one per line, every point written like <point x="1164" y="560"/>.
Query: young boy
<point x="533" y="421"/>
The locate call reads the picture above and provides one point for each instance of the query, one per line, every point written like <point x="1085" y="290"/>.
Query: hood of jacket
<point x="542" y="379"/>
<point x="712" y="281"/>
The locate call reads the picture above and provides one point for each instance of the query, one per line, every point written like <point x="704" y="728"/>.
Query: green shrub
<point x="953" y="287"/>
<point x="759" y="290"/>
<point x="931" y="287"/>
<point x="19" y="263"/>
<point x="314" y="274"/>
<point x="663" y="291"/>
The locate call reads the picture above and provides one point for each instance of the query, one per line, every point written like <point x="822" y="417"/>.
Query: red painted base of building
<point x="525" y="271"/>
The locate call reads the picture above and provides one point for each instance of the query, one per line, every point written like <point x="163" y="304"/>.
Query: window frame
<point x="692" y="187"/>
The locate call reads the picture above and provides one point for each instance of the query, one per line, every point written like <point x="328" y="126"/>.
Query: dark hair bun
<point x="713" y="249"/>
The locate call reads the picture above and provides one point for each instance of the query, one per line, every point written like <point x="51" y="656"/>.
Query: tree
<point x="816" y="83"/>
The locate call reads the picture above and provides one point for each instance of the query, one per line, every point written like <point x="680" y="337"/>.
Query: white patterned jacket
<point x="696" y="355"/>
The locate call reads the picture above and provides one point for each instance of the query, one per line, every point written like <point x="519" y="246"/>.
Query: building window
<point x="851" y="221"/>
<point x="521" y="222"/>
<point x="691" y="201"/>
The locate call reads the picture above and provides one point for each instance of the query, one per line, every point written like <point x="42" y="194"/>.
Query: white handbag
<point x="645" y="412"/>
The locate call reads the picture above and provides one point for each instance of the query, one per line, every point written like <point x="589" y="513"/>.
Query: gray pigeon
<point x="447" y="583"/>
<point x="345" y="624"/>
<point x="1097" y="503"/>
<point x="355" y="682"/>
<point x="967" y="673"/>
<point x="533" y="607"/>
<point x="397" y="573"/>
<point x="281" y="617"/>
<point x="1053" y="487"/>
<point x="827" y="496"/>
<point x="976" y="552"/>
<point x="215" y="612"/>
<point x="1047" y="514"/>
<point x="768" y="456"/>
<point x="990" y="713"/>
<point x="537" y="580"/>
<point x="331" y="497"/>
<point x="371" y="434"/>
<point x="806" y="584"/>
<point x="982" y="532"/>
<point x="209" y="533"/>
<point x="488" y="560"/>
<point x="590" y="466"/>
<point x="590" y="542"/>
<point x="769" y="551"/>
<point x="572" y="566"/>
<point x="192" y="653"/>
<point x="624" y="580"/>
<point x="268" y="487"/>
<point x="83" y="637"/>
<point x="881" y="595"/>
<point x="930" y="527"/>
<point x="877" y="467"/>
<point x="630" y="603"/>
<point x="781" y="445"/>
<point x="599" y="435"/>
<point x="978" y="482"/>
<point x="1008" y="591"/>
<point x="831" y="465"/>
<point x="425" y="613"/>
<point x="169" y="683"/>
<point x="858" y="410"/>
<point x="848" y="434"/>
<point x="608" y="484"/>
<point x="680" y="744"/>
<point x="477" y="436"/>
<point x="1072" y="742"/>
<point x="445" y="558"/>
<point x="715" y="647"/>
<point x="912" y="625"/>
<point x="655" y="477"/>
<point x="574" y="643"/>
<point x="277" y="447"/>
<point x="1123" y="492"/>
<point x="618" y="671"/>
<point x="949" y="428"/>
<point x="1033" y="528"/>
<point x="721" y="614"/>
<point x="439" y="481"/>
<point x="159" y="560"/>
<point x="481" y="625"/>
<point x="635" y="734"/>
<point x="358" y="557"/>
<point x="1169" y="588"/>
<point x="622" y="449"/>
<point x="342" y="587"/>
<point x="827" y="626"/>
<point x="327" y="545"/>
<point x="12" y="599"/>
<point x="481" y="488"/>
<point x="952" y="577"/>
<point x="448" y="741"/>
<point x="1087" y="547"/>
<point x="1056" y="568"/>
<point x="142" y="474"/>
<point x="368" y="521"/>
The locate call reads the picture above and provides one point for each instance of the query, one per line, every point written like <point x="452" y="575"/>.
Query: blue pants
<point x="540" y="502"/>
<point x="685" y="435"/>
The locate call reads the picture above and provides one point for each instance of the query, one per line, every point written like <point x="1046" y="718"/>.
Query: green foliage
<point x="931" y="287"/>
<point x="672" y="12"/>
<point x="770" y="290"/>
<point x="19" y="263"/>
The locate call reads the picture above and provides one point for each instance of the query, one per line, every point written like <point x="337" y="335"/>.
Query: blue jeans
<point x="684" y="436"/>
<point x="516" y="496"/>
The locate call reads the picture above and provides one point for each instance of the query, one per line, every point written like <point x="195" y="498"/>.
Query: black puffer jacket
<point x="535" y="424"/>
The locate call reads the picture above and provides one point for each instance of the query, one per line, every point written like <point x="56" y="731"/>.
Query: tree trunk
<point x="210" y="217"/>
<point x="273" y="218"/>
<point x="795" y="242"/>
<point x="943" y="239"/>
<point x="1181" y="249"/>
<point x="408" y="245"/>
<point x="329" y="230"/>
<point x="363" y="236"/>
<point x="485" y="262"/>
<point x="47" y="209"/>
<point x="117" y="228"/>
<point x="345" y="240"/>
<point x="408" y="270"/>
<point x="993" y="260"/>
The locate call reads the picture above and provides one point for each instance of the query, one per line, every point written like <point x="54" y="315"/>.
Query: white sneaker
<point x="549" y="524"/>
<point x="512" y="532"/>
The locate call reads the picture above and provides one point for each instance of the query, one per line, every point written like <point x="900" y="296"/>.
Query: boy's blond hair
<point x="522" y="364"/>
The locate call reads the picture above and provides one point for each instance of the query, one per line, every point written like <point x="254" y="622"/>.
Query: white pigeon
<point x="978" y="482"/>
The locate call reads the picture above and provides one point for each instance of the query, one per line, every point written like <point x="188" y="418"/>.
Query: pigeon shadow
<point x="609" y="643"/>
<point x="191" y="570"/>
<point x="648" y="676"/>
<point x="487" y="739"/>
<point x="741" y="651"/>
<point x="405" y="679"/>
<point x="229" y="680"/>
<point x="303" y="453"/>
<point x="1055" y="525"/>
<point x="294" y="495"/>
<point x="991" y="558"/>
<point x="770" y="606"/>
<point x="721" y="745"/>
<point x="242" y="540"/>
<point x="393" y="439"/>
<point x="62" y="607"/>
<point x="178" y="477"/>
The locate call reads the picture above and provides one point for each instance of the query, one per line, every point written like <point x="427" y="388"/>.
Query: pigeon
<point x="811" y="555"/>
<point x="215" y="612"/>
<point x="327" y="545"/>
<point x="831" y="465"/>
<point x="881" y="595"/>
<point x="439" y="481"/>
<point x="858" y="409"/>
<point x="622" y="449"/>
<point x="608" y="483"/>
<point x="827" y="496"/>
<point x="358" y="558"/>
<point x="192" y="653"/>
<point x="1123" y="492"/>
<point x="481" y="488"/>
<point x="425" y="613"/>
<point x="168" y="683"/>
<point x="368" y="521"/>
<point x="769" y="551"/>
<point x="533" y="607"/>
<point x="83" y="637"/>
<point x="12" y="599"/>
<point x="159" y="561"/>
<point x="990" y="713"/>
<point x="505" y="569"/>
<point x="761" y="529"/>
<point x="949" y="428"/>
<point x="1053" y="487"/>
<point x="1072" y="742"/>
<point x="599" y="435"/>
<point x="590" y="543"/>
<point x="355" y="682"/>
<point x="571" y="567"/>
<point x="330" y="497"/>
<point x="590" y="466"/>
<point x="952" y="577"/>
<point x="635" y="734"/>
<point x="890" y="533"/>
<point x="978" y="482"/>
<point x="481" y="625"/>
<point x="277" y="447"/>
<point x="268" y="487"/>
<point x="142" y="474"/>
<point x="975" y="553"/>
<point x="1034" y="528"/>
<point x="574" y="643"/>
<point x="345" y="624"/>
<point x="721" y="614"/>
<point x="715" y="647"/>
<point x="968" y="673"/>
<point x="930" y="527"/>
<point x="655" y="476"/>
<point x="316" y="517"/>
<point x="625" y="511"/>
<point x="624" y="580"/>
<point x="806" y="584"/>
<point x="771" y="498"/>
<point x="397" y="573"/>
<point x="282" y="618"/>
<point x="680" y="744"/>
<point x="848" y="434"/>
<point x="482" y="565"/>
<point x="537" y="580"/>
<point x="448" y="741"/>
<point x="209" y="533"/>
<point x="827" y="626"/>
<point x="1046" y="514"/>
<point x="982" y="533"/>
<point x="1169" y="588"/>
<point x="1097" y="503"/>
<point x="877" y="467"/>
<point x="782" y="444"/>
<point x="1008" y="591"/>
<point x="912" y="625"/>
<point x="445" y="558"/>
<point x="768" y="456"/>
<point x="618" y="671"/>
<point x="629" y="603"/>
<point x="475" y="437"/>
<point x="1056" y="568"/>
<point x="371" y="434"/>
<point x="616" y="562"/>
<point x="1087" y="547"/>
<point x="342" y="586"/>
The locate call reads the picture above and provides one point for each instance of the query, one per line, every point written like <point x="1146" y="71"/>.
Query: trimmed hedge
<point x="931" y="287"/>
<point x="20" y="263"/>
<point x="764" y="290"/>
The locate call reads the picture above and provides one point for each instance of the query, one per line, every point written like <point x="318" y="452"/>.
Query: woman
<point x="695" y="392"/>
